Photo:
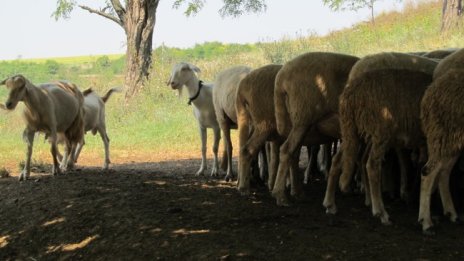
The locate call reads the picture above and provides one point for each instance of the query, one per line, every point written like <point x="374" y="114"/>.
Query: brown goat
<point x="256" y="122"/>
<point x="452" y="61"/>
<point x="51" y="108"/>
<point x="374" y="62"/>
<point x="306" y="95"/>
<point x="442" y="116"/>
<point x="382" y="108"/>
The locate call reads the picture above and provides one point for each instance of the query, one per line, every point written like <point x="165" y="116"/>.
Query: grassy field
<point x="158" y="125"/>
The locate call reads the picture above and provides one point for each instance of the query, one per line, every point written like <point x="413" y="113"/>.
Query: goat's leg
<point x="312" y="161"/>
<point x="429" y="174"/>
<point x="296" y="189"/>
<point x="56" y="168"/>
<point x="443" y="185"/>
<point x="287" y="150"/>
<point x="79" y="147"/>
<point x="334" y="174"/>
<point x="217" y="138"/>
<point x="68" y="160"/>
<point x="203" y="137"/>
<point x="228" y="143"/>
<point x="326" y="151"/>
<point x="374" y="166"/>
<point x="106" y="143"/>
<point x="28" y="136"/>
<point x="403" y="174"/>
<point x="364" y="179"/>
<point x="273" y="163"/>
<point x="263" y="163"/>
<point x="247" y="153"/>
<point x="65" y="159"/>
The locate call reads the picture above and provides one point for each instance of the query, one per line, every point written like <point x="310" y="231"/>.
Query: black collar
<point x="191" y="99"/>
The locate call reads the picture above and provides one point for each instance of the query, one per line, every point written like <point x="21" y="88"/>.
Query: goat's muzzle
<point x="10" y="105"/>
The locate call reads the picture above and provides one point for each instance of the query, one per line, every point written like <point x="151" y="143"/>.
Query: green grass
<point x="73" y="59"/>
<point x="157" y="124"/>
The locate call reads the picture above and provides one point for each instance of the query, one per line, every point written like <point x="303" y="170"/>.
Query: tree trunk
<point x="139" y="22"/>
<point x="451" y="14"/>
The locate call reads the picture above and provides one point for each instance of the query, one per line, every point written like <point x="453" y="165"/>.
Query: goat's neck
<point x="34" y="101"/>
<point x="192" y="86"/>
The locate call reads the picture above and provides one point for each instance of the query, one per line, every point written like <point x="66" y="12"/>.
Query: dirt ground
<point x="162" y="211"/>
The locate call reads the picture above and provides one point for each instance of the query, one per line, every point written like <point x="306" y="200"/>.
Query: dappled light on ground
<point x="161" y="210"/>
<point x="72" y="247"/>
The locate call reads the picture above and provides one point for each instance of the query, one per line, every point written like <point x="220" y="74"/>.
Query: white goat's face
<point x="17" y="87"/>
<point x="181" y="74"/>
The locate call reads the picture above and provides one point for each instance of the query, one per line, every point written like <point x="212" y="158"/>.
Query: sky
<point x="28" y="30"/>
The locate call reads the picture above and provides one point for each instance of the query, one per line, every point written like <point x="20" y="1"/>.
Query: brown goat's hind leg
<point x="443" y="185"/>
<point x="287" y="151"/>
<point x="374" y="166"/>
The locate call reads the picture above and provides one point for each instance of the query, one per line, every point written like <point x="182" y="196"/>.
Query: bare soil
<point x="162" y="211"/>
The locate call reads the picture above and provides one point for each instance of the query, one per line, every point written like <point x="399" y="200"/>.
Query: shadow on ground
<point x="150" y="211"/>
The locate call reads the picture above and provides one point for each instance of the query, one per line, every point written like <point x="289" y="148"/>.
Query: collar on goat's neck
<point x="191" y="99"/>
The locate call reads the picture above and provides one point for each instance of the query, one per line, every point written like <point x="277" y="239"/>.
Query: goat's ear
<point x="19" y="80"/>
<point x="3" y="82"/>
<point x="194" y="68"/>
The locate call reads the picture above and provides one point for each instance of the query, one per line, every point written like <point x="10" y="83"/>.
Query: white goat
<point x="184" y="74"/>
<point x="94" y="108"/>
<point x="51" y="108"/>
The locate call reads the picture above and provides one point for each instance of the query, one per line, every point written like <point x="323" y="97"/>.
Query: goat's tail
<point x="75" y="133"/>
<point x="282" y="114"/>
<point x="109" y="92"/>
<point x="350" y="140"/>
<point x="243" y="120"/>
<point x="87" y="92"/>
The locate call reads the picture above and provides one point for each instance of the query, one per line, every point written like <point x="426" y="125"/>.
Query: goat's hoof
<point x="244" y="191"/>
<point x="331" y="219"/>
<point x="283" y="202"/>
<point x="228" y="178"/>
<point x="429" y="231"/>
<point x="457" y="221"/>
<point x="299" y="196"/>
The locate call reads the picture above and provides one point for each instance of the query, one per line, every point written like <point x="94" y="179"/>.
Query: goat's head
<point x="17" y="87"/>
<point x="181" y="74"/>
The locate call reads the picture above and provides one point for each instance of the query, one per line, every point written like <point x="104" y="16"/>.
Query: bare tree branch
<point x="119" y="9"/>
<point x="106" y="15"/>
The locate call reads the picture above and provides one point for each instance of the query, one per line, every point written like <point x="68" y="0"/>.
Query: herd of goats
<point x="359" y="109"/>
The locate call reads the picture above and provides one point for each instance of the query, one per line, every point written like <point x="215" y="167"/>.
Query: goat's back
<point x="225" y="92"/>
<point x="307" y="88"/>
<point x="452" y="61"/>
<point x="66" y="100"/>
<point x="393" y="60"/>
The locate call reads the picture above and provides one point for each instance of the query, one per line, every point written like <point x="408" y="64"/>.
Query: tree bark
<point x="137" y="19"/>
<point x="139" y="22"/>
<point x="451" y="14"/>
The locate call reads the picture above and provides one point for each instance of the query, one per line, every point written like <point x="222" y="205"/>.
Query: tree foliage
<point x="233" y="8"/>
<point x="353" y="5"/>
